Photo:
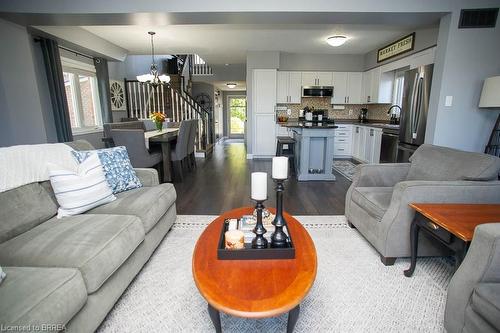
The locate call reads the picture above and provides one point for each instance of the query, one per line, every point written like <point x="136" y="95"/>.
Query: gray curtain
<point x="55" y="81"/>
<point x="101" y="68"/>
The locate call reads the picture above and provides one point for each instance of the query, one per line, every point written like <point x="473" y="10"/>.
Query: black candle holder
<point x="259" y="241"/>
<point x="279" y="237"/>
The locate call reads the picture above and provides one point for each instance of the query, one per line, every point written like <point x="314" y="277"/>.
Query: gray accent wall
<point x="424" y="38"/>
<point x="21" y="116"/>
<point x="464" y="58"/>
<point x="321" y="62"/>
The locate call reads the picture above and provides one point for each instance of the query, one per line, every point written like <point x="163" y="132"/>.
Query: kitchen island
<point x="314" y="149"/>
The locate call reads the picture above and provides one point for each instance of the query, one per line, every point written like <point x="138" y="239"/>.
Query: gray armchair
<point x="473" y="301"/>
<point x="377" y="201"/>
<point x="108" y="138"/>
<point x="133" y="140"/>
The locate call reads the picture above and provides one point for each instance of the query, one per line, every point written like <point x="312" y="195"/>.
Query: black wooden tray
<point x="248" y="253"/>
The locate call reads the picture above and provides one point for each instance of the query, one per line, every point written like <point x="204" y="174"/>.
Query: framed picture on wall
<point x="117" y="95"/>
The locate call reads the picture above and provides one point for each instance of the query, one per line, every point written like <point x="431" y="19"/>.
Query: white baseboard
<point x="249" y="156"/>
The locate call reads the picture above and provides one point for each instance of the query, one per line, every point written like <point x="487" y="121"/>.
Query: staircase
<point x="199" y="66"/>
<point x="176" y="104"/>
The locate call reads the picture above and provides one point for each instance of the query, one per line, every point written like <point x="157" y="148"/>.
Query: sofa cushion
<point x="440" y="163"/>
<point x="95" y="244"/>
<point x="34" y="296"/>
<point x="486" y="302"/>
<point x="23" y="208"/>
<point x="147" y="203"/>
<point x="374" y="200"/>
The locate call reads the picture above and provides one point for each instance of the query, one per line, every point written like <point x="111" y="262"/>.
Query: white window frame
<point x="76" y="68"/>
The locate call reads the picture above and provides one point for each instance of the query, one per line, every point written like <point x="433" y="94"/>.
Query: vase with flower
<point x="158" y="118"/>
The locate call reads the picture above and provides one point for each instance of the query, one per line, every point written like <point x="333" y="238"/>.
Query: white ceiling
<point x="221" y="85"/>
<point x="228" y="43"/>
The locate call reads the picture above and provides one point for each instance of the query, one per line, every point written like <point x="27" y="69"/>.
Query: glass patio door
<point x="237" y="116"/>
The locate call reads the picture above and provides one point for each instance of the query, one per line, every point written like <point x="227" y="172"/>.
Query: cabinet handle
<point x="368" y="99"/>
<point x="371" y="132"/>
<point x="357" y="129"/>
<point x="341" y="149"/>
<point x="347" y="99"/>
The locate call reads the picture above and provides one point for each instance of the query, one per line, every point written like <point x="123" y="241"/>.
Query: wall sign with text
<point x="400" y="46"/>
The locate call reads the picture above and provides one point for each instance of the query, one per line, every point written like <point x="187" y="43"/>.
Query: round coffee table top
<point x="254" y="288"/>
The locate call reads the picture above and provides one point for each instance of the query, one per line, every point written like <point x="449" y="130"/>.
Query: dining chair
<point x="180" y="151"/>
<point x="108" y="138"/>
<point x="133" y="140"/>
<point x="191" y="143"/>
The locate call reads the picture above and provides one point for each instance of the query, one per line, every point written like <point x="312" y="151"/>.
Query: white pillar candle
<point x="280" y="167"/>
<point x="259" y="185"/>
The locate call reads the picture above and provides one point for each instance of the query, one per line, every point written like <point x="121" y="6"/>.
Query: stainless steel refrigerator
<point x="416" y="92"/>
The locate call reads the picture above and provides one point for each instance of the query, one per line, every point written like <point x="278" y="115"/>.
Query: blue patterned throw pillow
<point x="116" y="164"/>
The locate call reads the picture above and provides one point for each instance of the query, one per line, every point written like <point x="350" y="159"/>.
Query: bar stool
<point x="289" y="151"/>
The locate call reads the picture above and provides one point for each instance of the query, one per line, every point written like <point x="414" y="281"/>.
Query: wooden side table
<point x="254" y="288"/>
<point x="450" y="224"/>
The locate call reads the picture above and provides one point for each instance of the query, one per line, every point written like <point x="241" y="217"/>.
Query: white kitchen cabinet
<point x="377" y="86"/>
<point x="340" y="88"/>
<point x="262" y="108"/>
<point x="289" y="87"/>
<point x="347" y="87"/>
<point x="373" y="142"/>
<point x="342" y="146"/>
<point x="282" y="79"/>
<point x="265" y="138"/>
<point x="316" y="79"/>
<point x="354" y="87"/>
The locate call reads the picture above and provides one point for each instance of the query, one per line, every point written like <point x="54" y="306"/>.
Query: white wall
<point x="464" y="58"/>
<point x="21" y="117"/>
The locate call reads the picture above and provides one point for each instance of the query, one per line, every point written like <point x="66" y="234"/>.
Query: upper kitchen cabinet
<point x="289" y="87"/>
<point x="316" y="79"/>
<point x="347" y="87"/>
<point x="377" y="86"/>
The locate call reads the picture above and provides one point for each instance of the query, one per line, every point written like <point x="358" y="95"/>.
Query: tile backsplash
<point x="350" y="111"/>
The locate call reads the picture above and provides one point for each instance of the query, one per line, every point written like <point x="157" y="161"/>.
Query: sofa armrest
<point x="147" y="176"/>
<point x="396" y="221"/>
<point x="481" y="264"/>
<point x="380" y="175"/>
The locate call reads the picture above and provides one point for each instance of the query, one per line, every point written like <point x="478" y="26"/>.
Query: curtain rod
<point x="37" y="39"/>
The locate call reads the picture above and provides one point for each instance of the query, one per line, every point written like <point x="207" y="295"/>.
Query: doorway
<point x="237" y="109"/>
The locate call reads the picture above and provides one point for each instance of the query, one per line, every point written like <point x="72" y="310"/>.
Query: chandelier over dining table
<point x="153" y="76"/>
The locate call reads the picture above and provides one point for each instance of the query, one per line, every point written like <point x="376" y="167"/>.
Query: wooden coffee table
<point x="254" y="288"/>
<point x="452" y="225"/>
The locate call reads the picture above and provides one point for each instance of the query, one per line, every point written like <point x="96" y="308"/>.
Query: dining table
<point x="165" y="138"/>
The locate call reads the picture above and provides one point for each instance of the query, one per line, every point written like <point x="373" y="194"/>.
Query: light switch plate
<point x="448" y="101"/>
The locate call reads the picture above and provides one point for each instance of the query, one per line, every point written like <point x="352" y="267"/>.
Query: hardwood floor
<point x="222" y="182"/>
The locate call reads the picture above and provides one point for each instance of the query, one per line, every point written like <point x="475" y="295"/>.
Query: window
<point x="83" y="97"/>
<point x="397" y="94"/>
<point x="237" y="114"/>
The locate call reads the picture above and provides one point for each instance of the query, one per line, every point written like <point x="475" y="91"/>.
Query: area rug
<point x="345" y="168"/>
<point x="353" y="291"/>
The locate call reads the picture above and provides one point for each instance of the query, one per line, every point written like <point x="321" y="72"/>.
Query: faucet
<point x="392" y="107"/>
<point x="394" y="117"/>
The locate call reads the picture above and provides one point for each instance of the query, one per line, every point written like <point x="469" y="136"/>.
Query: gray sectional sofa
<point x="377" y="200"/>
<point x="71" y="271"/>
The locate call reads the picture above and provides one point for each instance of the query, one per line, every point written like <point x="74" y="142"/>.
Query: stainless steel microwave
<point x="317" y="91"/>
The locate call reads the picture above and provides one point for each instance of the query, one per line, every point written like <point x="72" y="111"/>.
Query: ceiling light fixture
<point x="226" y="64"/>
<point x="231" y="85"/>
<point x="336" y="40"/>
<point x="153" y="76"/>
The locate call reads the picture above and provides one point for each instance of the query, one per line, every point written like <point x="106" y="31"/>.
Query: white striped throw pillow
<point x="77" y="192"/>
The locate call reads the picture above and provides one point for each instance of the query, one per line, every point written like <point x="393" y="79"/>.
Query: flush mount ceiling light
<point x="153" y="77"/>
<point x="336" y="40"/>
<point x="231" y="85"/>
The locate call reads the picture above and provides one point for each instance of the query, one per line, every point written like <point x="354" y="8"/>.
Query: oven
<point x="389" y="147"/>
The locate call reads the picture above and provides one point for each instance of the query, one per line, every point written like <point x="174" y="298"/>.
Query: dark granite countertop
<point x="371" y="123"/>
<point x="307" y="124"/>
